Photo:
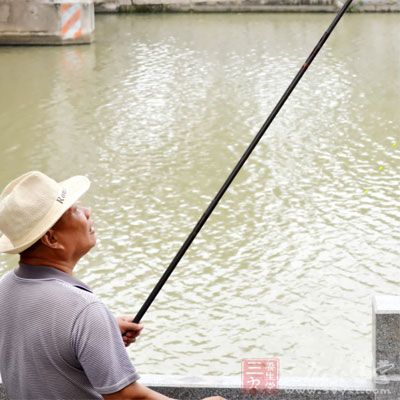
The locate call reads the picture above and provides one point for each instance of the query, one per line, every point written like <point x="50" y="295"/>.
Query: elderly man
<point x="57" y="340"/>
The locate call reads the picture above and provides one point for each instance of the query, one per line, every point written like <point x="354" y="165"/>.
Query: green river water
<point x="156" y="113"/>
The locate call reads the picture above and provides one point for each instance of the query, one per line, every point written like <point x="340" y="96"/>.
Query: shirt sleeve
<point x="98" y="345"/>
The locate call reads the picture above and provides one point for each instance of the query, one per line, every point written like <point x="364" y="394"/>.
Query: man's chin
<point x="91" y="243"/>
<point x="93" y="240"/>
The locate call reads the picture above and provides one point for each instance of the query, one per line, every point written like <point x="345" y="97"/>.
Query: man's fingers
<point x="130" y="326"/>
<point x="127" y="341"/>
<point x="130" y="331"/>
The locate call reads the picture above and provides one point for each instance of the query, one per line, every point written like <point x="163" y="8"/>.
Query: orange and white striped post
<point x="76" y="22"/>
<point x="71" y="23"/>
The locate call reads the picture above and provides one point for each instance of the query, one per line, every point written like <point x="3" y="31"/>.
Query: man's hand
<point x="129" y="330"/>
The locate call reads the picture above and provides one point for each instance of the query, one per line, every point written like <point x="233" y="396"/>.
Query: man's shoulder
<point x="6" y="279"/>
<point x="63" y="288"/>
<point x="51" y="289"/>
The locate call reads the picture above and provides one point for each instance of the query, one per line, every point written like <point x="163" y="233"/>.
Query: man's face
<point x="74" y="230"/>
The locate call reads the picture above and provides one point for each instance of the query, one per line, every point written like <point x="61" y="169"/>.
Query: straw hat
<point x="31" y="204"/>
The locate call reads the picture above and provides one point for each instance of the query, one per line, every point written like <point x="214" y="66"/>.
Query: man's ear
<point x="49" y="239"/>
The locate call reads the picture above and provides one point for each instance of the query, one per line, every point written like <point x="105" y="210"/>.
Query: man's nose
<point x="87" y="211"/>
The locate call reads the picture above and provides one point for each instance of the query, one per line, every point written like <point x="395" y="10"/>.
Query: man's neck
<point x="63" y="266"/>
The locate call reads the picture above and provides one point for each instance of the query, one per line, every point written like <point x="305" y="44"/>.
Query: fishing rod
<point x="238" y="166"/>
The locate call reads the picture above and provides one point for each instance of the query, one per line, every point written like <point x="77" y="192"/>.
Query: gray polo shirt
<point x="57" y="340"/>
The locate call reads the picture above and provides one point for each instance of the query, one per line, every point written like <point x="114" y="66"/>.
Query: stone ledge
<point x="188" y="388"/>
<point x="289" y="388"/>
<point x="386" y="304"/>
<point x="36" y="38"/>
<point x="234" y="382"/>
<point x="154" y="6"/>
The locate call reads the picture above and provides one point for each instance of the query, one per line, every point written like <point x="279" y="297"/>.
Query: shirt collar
<point x="26" y="271"/>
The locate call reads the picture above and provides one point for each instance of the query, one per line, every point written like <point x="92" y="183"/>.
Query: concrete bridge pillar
<point x="46" y="22"/>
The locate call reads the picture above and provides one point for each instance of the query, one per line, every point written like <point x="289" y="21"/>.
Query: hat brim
<point x="76" y="187"/>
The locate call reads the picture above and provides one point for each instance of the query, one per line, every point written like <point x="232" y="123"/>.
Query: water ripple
<point x="157" y="112"/>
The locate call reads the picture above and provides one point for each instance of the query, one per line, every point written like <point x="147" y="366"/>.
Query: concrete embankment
<point x="192" y="388"/>
<point x="126" y="6"/>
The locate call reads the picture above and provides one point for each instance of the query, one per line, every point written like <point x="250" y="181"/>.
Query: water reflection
<point x="158" y="111"/>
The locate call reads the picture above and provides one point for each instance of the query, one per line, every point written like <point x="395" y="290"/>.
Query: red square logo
<point x="260" y="374"/>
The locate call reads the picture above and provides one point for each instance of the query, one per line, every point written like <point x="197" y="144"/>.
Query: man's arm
<point x="137" y="391"/>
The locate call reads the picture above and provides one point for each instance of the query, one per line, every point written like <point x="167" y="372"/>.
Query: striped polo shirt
<point x="57" y="340"/>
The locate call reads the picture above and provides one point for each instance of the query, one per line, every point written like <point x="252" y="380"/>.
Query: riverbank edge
<point x="234" y="6"/>
<point x="192" y="387"/>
